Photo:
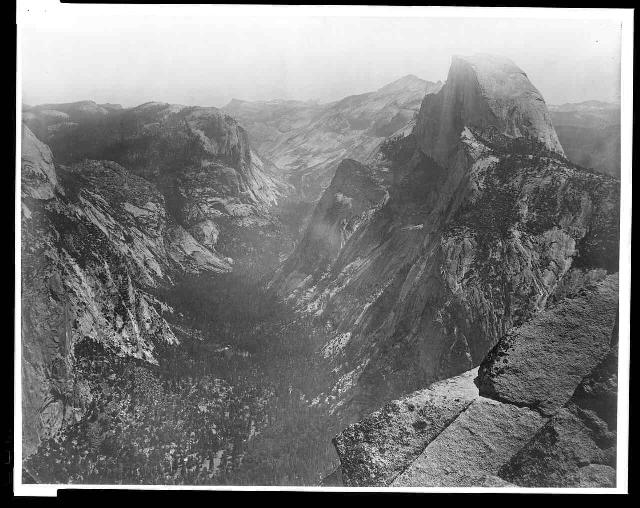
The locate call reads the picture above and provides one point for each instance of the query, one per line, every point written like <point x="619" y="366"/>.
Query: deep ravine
<point x="230" y="404"/>
<point x="153" y="353"/>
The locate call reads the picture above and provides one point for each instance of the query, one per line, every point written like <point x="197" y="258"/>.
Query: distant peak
<point x="584" y="106"/>
<point x="410" y="81"/>
<point x="66" y="105"/>
<point x="152" y="104"/>
<point x="409" y="78"/>
<point x="234" y="102"/>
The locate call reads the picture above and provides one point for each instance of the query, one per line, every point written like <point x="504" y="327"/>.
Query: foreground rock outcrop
<point x="573" y="337"/>
<point x="577" y="446"/>
<point x="563" y="437"/>
<point x="381" y="446"/>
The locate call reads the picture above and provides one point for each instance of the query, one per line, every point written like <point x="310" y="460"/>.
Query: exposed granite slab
<point x="484" y="437"/>
<point x="577" y="447"/>
<point x="565" y="453"/>
<point x="379" y="447"/>
<point x="541" y="363"/>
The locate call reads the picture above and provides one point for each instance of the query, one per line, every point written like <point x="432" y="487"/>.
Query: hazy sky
<point x="188" y="56"/>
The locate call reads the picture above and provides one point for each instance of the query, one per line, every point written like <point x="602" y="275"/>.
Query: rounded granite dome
<point x="483" y="92"/>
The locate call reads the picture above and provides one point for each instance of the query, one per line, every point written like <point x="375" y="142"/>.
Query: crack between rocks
<point x="427" y="445"/>
<point x="532" y="407"/>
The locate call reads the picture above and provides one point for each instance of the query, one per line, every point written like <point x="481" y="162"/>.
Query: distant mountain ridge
<point x="307" y="141"/>
<point x="590" y="134"/>
<point x="584" y="106"/>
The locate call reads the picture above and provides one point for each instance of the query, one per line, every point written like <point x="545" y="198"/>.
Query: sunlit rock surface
<point x="475" y="444"/>
<point x="381" y="446"/>
<point x="39" y="178"/>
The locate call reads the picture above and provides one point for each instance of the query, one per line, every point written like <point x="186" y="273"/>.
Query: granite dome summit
<point x="486" y="92"/>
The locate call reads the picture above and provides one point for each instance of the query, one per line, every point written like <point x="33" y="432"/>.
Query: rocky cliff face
<point x="354" y="193"/>
<point x="98" y="245"/>
<point x="308" y="141"/>
<point x="486" y="224"/>
<point x="39" y="179"/>
<point x="544" y="413"/>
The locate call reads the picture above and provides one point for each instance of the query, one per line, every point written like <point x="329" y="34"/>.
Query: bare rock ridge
<point x="97" y="246"/>
<point x="486" y="225"/>
<point x="451" y="434"/>
<point x="488" y="93"/>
